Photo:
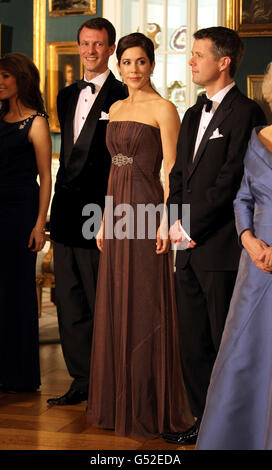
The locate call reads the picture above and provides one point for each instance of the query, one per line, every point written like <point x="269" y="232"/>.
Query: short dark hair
<point x="226" y="42"/>
<point x="27" y="77"/>
<point x="99" y="23"/>
<point x="135" y="40"/>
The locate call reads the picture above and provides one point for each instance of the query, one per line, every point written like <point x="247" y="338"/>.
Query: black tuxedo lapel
<point x="193" y="129"/>
<point x="81" y="147"/>
<point x="69" y="126"/>
<point x="220" y="115"/>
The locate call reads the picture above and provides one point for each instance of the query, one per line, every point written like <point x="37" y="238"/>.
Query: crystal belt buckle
<point x="121" y="160"/>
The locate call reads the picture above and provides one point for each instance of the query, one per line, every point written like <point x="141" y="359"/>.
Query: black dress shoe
<point x="72" y="397"/>
<point x="186" y="438"/>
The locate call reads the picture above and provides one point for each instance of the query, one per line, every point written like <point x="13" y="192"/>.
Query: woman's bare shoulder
<point x="166" y="104"/>
<point x="165" y="110"/>
<point x="117" y="105"/>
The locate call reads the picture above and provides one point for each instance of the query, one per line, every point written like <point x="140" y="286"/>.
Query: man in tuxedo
<point x="83" y="109"/>
<point x="207" y="173"/>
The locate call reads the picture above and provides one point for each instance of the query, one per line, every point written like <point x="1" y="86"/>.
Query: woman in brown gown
<point x="136" y="384"/>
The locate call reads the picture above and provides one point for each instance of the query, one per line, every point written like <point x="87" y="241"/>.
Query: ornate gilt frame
<point x="253" y="82"/>
<point x="234" y="21"/>
<point x="54" y="50"/>
<point x="73" y="11"/>
<point x="254" y="91"/>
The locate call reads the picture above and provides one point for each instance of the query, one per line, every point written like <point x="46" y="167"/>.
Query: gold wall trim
<point x="231" y="7"/>
<point x="39" y="22"/>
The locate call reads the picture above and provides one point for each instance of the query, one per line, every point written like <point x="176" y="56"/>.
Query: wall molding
<point x="39" y="23"/>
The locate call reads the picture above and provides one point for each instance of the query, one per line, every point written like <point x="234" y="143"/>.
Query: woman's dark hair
<point x="99" y="23"/>
<point x="27" y="77"/>
<point x="135" y="40"/>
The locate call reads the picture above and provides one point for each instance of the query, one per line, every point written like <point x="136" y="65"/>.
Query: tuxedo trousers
<point x="203" y="299"/>
<point x="76" y="272"/>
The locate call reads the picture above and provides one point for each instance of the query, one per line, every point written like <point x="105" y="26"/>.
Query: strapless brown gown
<point x="136" y="384"/>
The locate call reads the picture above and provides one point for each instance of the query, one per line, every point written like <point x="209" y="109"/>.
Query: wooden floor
<point x="27" y="422"/>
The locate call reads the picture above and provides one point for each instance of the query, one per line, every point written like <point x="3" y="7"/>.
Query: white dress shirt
<point x="85" y="101"/>
<point x="206" y="117"/>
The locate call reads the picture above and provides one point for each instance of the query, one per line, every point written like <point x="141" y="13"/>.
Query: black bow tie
<point x="202" y="99"/>
<point x="82" y="84"/>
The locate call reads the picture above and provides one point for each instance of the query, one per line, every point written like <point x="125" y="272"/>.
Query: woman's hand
<point x="257" y="250"/>
<point x="100" y="237"/>
<point x="266" y="257"/>
<point x="163" y="242"/>
<point x="37" y="239"/>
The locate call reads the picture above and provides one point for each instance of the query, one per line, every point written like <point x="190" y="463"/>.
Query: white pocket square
<point x="104" y="116"/>
<point x="216" y="134"/>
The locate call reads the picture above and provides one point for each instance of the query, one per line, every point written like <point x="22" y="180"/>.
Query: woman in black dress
<point x="25" y="152"/>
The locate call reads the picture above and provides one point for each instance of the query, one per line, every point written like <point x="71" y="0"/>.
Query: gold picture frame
<point x="63" y="68"/>
<point x="254" y="91"/>
<point x="39" y="27"/>
<point x="250" y="18"/>
<point x="72" y="7"/>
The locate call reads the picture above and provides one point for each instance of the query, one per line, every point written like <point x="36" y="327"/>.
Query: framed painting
<point x="254" y="91"/>
<point x="72" y="7"/>
<point x="63" y="68"/>
<point x="250" y="18"/>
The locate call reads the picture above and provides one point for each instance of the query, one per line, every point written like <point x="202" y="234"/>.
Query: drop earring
<point x="122" y="80"/>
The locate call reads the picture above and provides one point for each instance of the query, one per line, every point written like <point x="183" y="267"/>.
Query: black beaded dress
<point x="19" y="201"/>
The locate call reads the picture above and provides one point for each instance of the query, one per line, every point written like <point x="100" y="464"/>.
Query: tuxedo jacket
<point x="84" y="166"/>
<point x="210" y="182"/>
